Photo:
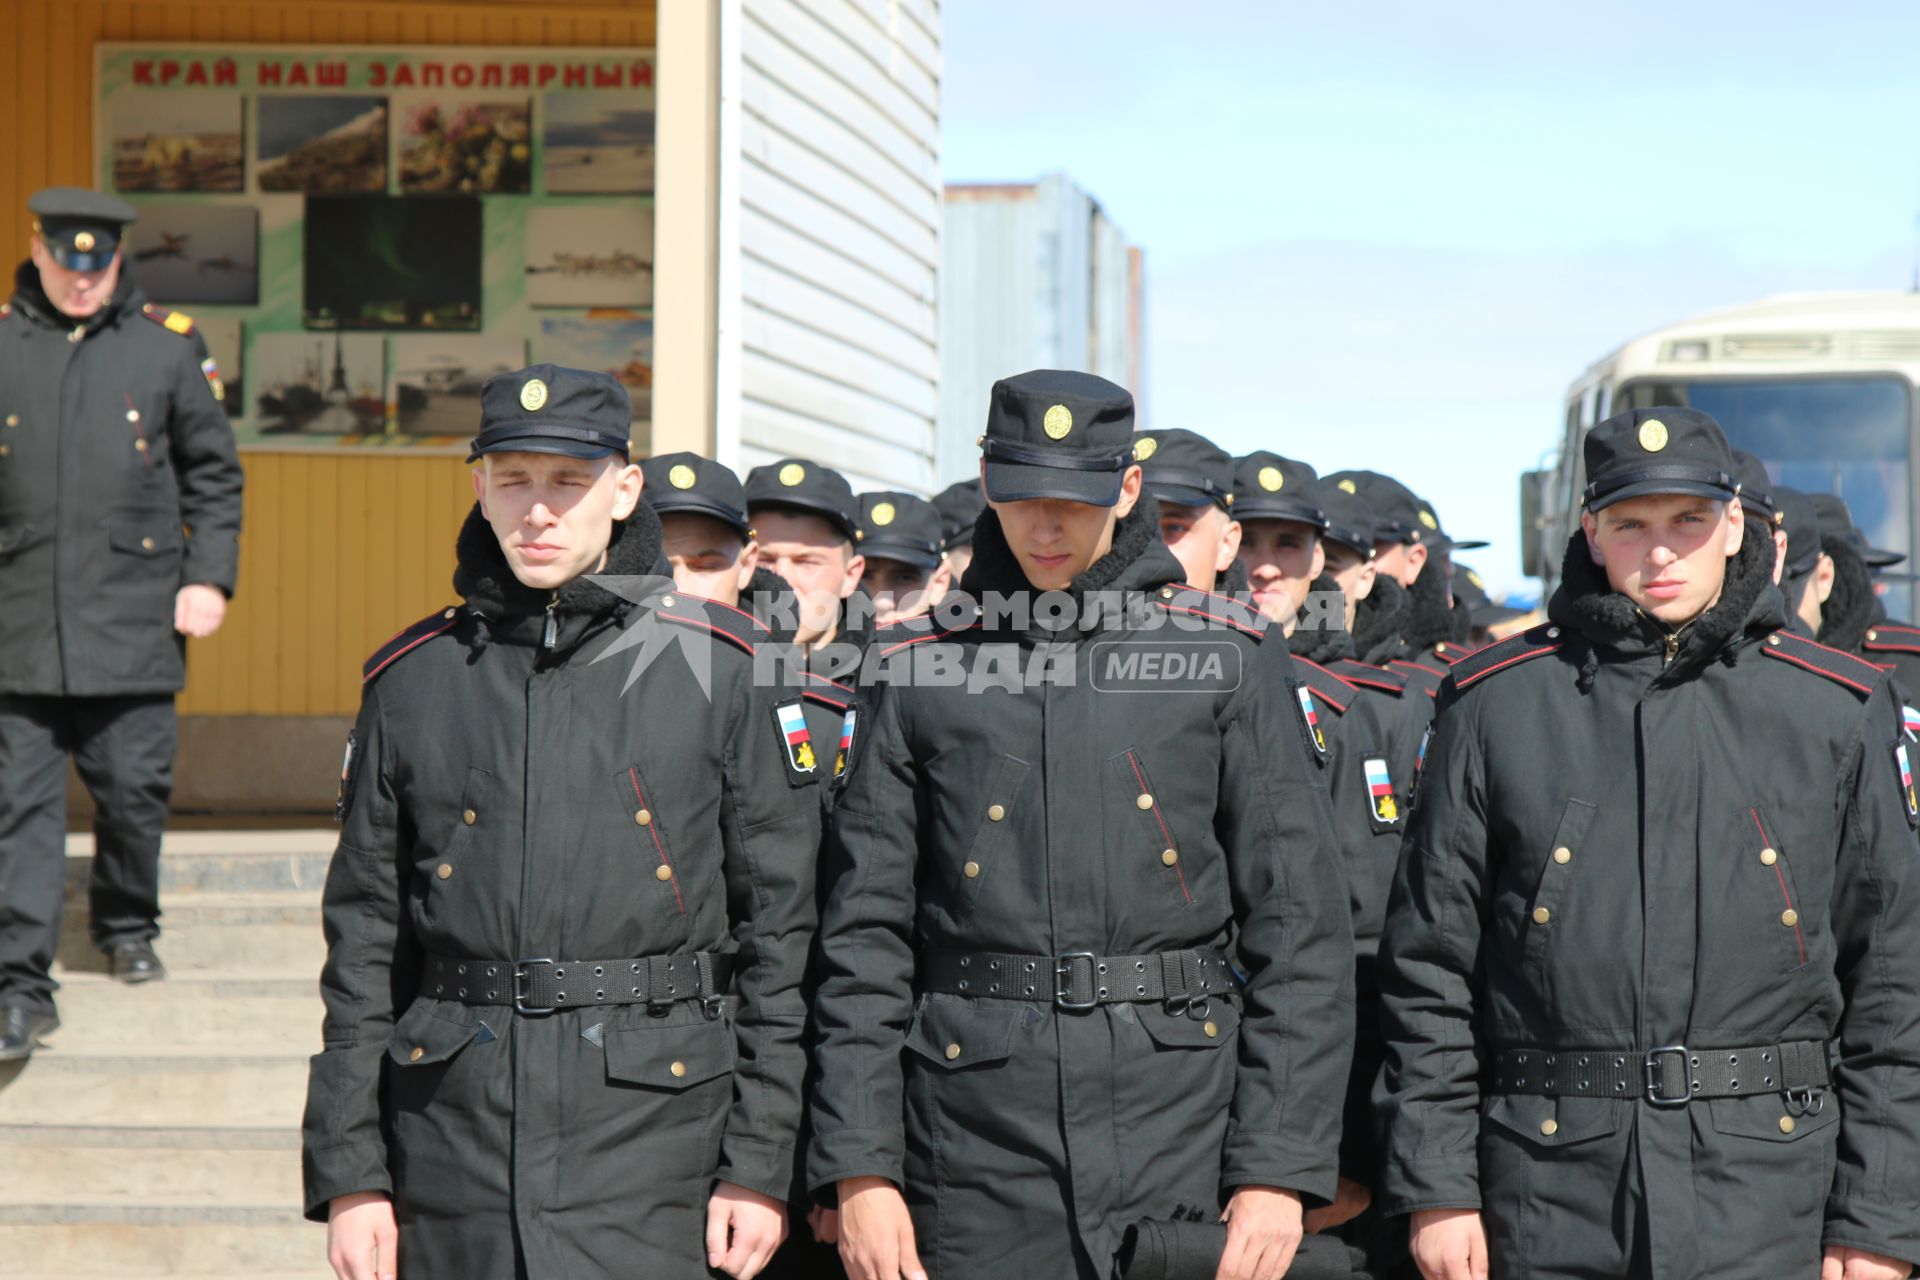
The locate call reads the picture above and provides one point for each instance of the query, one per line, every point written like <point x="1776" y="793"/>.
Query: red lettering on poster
<point x="298" y="75"/>
<point x="332" y="74"/>
<point x="521" y="77"/>
<point x="642" y="75"/>
<point x="490" y="75"/>
<point x="225" y="73"/>
<point x="462" y="75"/>
<point x="196" y="74"/>
<point x="143" y="73"/>
<point x="576" y="77"/>
<point x="269" y="73"/>
<point x="433" y="74"/>
<point x="404" y="76"/>
<point x="547" y="72"/>
<point x="606" y="77"/>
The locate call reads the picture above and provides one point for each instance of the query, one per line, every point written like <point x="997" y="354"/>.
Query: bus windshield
<point x="1820" y="435"/>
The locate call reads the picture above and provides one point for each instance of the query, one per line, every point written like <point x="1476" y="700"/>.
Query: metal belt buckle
<point x="1809" y="1101"/>
<point x="1652" y="1065"/>
<point x="1063" y="980"/>
<point x="520" y="977"/>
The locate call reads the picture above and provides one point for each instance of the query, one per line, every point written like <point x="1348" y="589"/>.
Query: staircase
<point x="158" y="1132"/>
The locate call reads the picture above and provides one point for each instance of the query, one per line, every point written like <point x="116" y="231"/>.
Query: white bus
<point x="1820" y="386"/>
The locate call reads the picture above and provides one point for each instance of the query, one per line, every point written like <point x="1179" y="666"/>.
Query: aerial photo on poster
<point x="322" y="144"/>
<point x="598" y="255"/>
<point x="607" y="341"/>
<point x="187" y="141"/>
<point x="596" y="143"/>
<point x="324" y="384"/>
<point x="196" y="253"/>
<point x="465" y="146"/>
<point x="437" y="379"/>
<point x="386" y="262"/>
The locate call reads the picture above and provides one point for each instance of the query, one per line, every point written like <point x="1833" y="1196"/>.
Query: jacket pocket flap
<point x="1555" y="1122"/>
<point x="955" y="1032"/>
<point x="420" y="1039"/>
<point x="1768" y="1117"/>
<point x="144" y="535"/>
<point x="670" y="1057"/>
<point x="19" y="536"/>
<point x="1184" y="1031"/>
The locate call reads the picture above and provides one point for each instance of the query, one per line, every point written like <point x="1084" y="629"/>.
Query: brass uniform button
<point x="133" y="415"/>
<point x="1873" y="635"/>
<point x="643" y="816"/>
<point x="417" y="1054"/>
<point x="1143" y="801"/>
<point x="5" y="450"/>
<point x="448" y="614"/>
<point x="1169" y="856"/>
<point x="141" y="445"/>
<point x="1212" y="1029"/>
<point x="1786" y="1124"/>
<point x="470" y="817"/>
<point x="1773" y="642"/>
<point x="444" y="871"/>
<point x="1563" y="855"/>
<point x="1789" y="917"/>
<point x="972" y="869"/>
<point x="663" y="872"/>
<point x="953" y="1051"/>
<point x="13" y="419"/>
<point x="1549" y="1127"/>
<point x="995" y="812"/>
<point x="679" y="1069"/>
<point x="1767" y="857"/>
<point x="146" y="544"/>
<point x="666" y="602"/>
<point x="1541" y="915"/>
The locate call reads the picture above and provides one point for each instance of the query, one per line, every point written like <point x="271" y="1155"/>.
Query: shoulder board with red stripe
<point x="1421" y="679"/>
<point x="1892" y="637"/>
<point x="1354" y="671"/>
<point x="716" y="619"/>
<point x="892" y="637"/>
<point x="1326" y="686"/>
<point x="407" y="640"/>
<point x="1228" y="612"/>
<point x="1843" y="669"/>
<point x="828" y="693"/>
<point x="1514" y="650"/>
<point x="172" y="321"/>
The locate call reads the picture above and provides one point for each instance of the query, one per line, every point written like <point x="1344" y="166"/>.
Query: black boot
<point x="21" y="1029"/>
<point x="135" y="961"/>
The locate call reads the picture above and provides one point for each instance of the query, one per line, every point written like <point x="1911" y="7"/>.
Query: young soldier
<point x="808" y="526"/>
<point x="704" y="530"/>
<point x="906" y="572"/>
<point x="960" y="504"/>
<point x="1191" y="478"/>
<point x="568" y="919"/>
<point x="1029" y="1035"/>
<point x="1648" y="962"/>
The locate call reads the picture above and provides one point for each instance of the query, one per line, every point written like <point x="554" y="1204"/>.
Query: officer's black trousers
<point x="123" y="749"/>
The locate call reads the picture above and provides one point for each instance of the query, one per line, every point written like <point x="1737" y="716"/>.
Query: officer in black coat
<point x="1648" y="964"/>
<point x="906" y="569"/>
<point x="1087" y="954"/>
<point x="569" y="917"/>
<point x="960" y="505"/>
<point x="119" y="538"/>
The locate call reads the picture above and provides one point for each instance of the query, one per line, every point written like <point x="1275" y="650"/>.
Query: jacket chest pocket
<point x="1764" y="894"/>
<point x="1147" y="840"/>
<point x="439" y="872"/>
<point x="1551" y="892"/>
<point x="993" y="837"/>
<point x="638" y="815"/>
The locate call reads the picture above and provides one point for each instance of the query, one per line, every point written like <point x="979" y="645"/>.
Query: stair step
<point x="121" y="1165"/>
<point x="224" y="861"/>
<point x="154" y="1087"/>
<point x="204" y="931"/>
<point x="216" y="1012"/>
<point x="161" y="1239"/>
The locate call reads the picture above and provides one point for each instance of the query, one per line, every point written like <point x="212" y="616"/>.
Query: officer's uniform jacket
<point x="119" y="484"/>
<point x="1037" y="819"/>
<point x="505" y="799"/>
<point x="1622" y="841"/>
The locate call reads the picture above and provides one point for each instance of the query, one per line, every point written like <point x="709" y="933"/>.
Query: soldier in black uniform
<point x="960" y="505"/>
<point x="1191" y="480"/>
<point x="906" y="570"/>
<point x="1803" y="572"/>
<point x="119" y="538"/>
<point x="1030" y="1033"/>
<point x="1648" y="964"/>
<point x="568" y="920"/>
<point x="1408" y="542"/>
<point x="704" y="530"/>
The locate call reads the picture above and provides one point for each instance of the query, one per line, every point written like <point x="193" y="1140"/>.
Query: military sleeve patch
<point x="1910" y="723"/>
<point x="846" y="743"/>
<point x="346" y="782"/>
<point x="1904" y="764"/>
<point x="1381" y="804"/>
<point x="1310" y="718"/>
<point x="211" y="372"/>
<point x="791" y="723"/>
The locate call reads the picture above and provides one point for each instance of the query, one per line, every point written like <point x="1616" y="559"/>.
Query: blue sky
<point x="1390" y="234"/>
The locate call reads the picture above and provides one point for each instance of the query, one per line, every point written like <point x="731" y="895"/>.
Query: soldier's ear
<point x="627" y="486"/>
<point x="1736" y="527"/>
<point x="1230" y="547"/>
<point x="480" y="487"/>
<point x="1591" y="528"/>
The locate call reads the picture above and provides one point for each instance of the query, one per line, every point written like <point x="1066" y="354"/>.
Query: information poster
<point x="364" y="235"/>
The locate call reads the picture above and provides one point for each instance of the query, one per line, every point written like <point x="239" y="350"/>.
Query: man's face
<point x="901" y="590"/>
<point x="1401" y="561"/>
<point x="817" y="561"/>
<point x="958" y="558"/>
<point x="1203" y="539"/>
<point x="709" y="557"/>
<point x="1282" y="558"/>
<point x="1353" y="572"/>
<point x="76" y="294"/>
<point x="1666" y="552"/>
<point x="554" y="514"/>
<point x="1056" y="541"/>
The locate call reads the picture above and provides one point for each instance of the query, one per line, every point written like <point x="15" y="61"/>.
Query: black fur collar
<point x="488" y="585"/>
<point x="1331" y="641"/>
<point x="1138" y="560"/>
<point x="1377" y="621"/>
<point x="1429" y="620"/>
<point x="1852" y="607"/>
<point x="770" y="599"/>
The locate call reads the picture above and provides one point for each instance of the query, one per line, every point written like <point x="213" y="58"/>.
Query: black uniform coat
<point x="1665" y="781"/>
<point x="492" y="811"/>
<point x="1036" y="819"/>
<point x="119" y="484"/>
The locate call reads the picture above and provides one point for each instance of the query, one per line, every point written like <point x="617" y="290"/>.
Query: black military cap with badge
<point x="959" y="505"/>
<point x="81" y="229"/>
<point x="900" y="526"/>
<point x="798" y="485"/>
<point x="1185" y="469"/>
<point x="1055" y="433"/>
<point x="1267" y="486"/>
<point x="548" y="408"/>
<point x="1665" y="450"/>
<point x="689" y="484"/>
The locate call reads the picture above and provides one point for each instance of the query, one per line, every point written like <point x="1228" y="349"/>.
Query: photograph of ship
<point x="186" y="141"/>
<point x="597" y="255"/>
<point x="222" y="335"/>
<point x="384" y="262"/>
<point x="196" y="253"/>
<point x="322" y="145"/>
<point x="319" y="384"/>
<point x="464" y="146"/>
<point x="437" y="380"/>
<point x="596" y="143"/>
<point x="608" y="341"/>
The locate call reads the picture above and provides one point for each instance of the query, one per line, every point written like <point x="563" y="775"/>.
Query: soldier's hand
<point x="1264" y="1226"/>
<point x="363" y="1242"/>
<point x="876" y="1232"/>
<point x="825" y="1224"/>
<point x="1842" y="1263"/>
<point x="1349" y="1202"/>
<point x="1450" y="1244"/>
<point x="743" y="1229"/>
<point x="198" y="610"/>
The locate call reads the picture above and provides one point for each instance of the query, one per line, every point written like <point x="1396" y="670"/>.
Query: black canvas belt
<point x="1079" y="979"/>
<point x="1670" y="1076"/>
<point x="538" y="987"/>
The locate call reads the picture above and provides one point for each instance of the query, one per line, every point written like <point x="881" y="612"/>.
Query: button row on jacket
<point x="643" y="816"/>
<point x="1169" y="856"/>
<point x="1541" y="915"/>
<point x="1789" y="917"/>
<point x="1767" y="857"/>
<point x="470" y="817"/>
<point x="1563" y="855"/>
<point x="445" y="871"/>
<point x="972" y="869"/>
<point x="1144" y="801"/>
<point x="995" y="812"/>
<point x="663" y="872"/>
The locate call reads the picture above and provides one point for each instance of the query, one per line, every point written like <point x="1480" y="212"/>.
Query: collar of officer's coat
<point x="482" y="577"/>
<point x="1852" y="607"/>
<point x="1428" y="620"/>
<point x="1331" y="642"/>
<point x="1377" y="619"/>
<point x="1137" y="561"/>
<point x="30" y="296"/>
<point x="1749" y="607"/>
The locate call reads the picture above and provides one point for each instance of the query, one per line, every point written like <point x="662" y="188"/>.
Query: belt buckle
<point x="1651" y="1064"/>
<point x="1063" y="968"/>
<point x="520" y="976"/>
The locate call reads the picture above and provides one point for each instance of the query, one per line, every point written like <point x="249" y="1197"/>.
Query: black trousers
<point x="123" y="749"/>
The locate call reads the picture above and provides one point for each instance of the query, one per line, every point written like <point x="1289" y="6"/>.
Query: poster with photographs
<point x="366" y="233"/>
<point x="188" y="254"/>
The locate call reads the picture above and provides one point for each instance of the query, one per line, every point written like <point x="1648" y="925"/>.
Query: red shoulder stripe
<point x="1331" y="688"/>
<point x="722" y="632"/>
<point x="405" y="641"/>
<point x="1211" y="617"/>
<point x="1841" y="668"/>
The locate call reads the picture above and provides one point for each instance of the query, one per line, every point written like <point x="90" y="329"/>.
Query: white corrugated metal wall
<point x="838" y="220"/>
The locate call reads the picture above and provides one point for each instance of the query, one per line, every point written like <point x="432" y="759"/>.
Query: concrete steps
<point x="157" y="1132"/>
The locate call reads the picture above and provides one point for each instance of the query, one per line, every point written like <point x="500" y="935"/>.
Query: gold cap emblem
<point x="533" y="395"/>
<point x="1271" y="478"/>
<point x="1143" y="448"/>
<point x="882" y="513"/>
<point x="1058" y="422"/>
<point x="792" y="474"/>
<point x="84" y="242"/>
<point x="1426" y="518"/>
<point x="1653" y="435"/>
<point x="1347" y="486"/>
<point x="681" y="477"/>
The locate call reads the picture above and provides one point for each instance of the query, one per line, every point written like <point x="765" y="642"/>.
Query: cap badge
<point x="1271" y="478"/>
<point x="681" y="477"/>
<point x="1347" y="486"/>
<point x="1143" y="448"/>
<point x="792" y="474"/>
<point x="533" y="395"/>
<point x="1426" y="518"/>
<point x="84" y="242"/>
<point x="1653" y="435"/>
<point x="882" y="513"/>
<point x="1058" y="422"/>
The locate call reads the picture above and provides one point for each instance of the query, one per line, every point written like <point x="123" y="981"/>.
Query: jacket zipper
<point x="550" y="632"/>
